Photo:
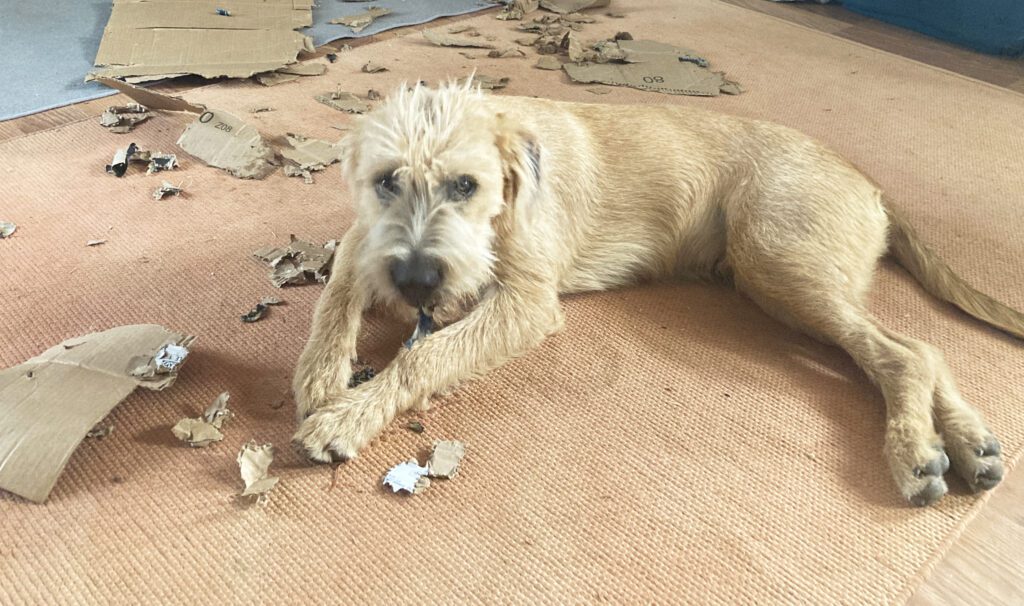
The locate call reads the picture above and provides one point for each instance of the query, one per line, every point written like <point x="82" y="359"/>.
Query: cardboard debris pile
<point x="123" y="118"/>
<point x="159" y="39"/>
<point x="412" y="478"/>
<point x="254" y="465"/>
<point x="205" y="430"/>
<point x="49" y="403"/>
<point x="154" y="161"/>
<point x="298" y="263"/>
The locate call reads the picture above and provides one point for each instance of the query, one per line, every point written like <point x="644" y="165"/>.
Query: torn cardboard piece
<point x="571" y="6"/>
<point x="119" y="165"/>
<point x="253" y="464"/>
<point x="487" y="82"/>
<point x="549" y="62"/>
<point x="310" y="154"/>
<point x="344" y="102"/>
<point x="165" y="38"/>
<point x="290" y="72"/>
<point x="456" y="40"/>
<point x="257" y="313"/>
<point x="224" y="141"/>
<point x="648" y="65"/>
<point x="298" y="263"/>
<point x="49" y="403"/>
<point x="95" y="242"/>
<point x="444" y="460"/>
<point x="407" y="477"/>
<point x="202" y="431"/>
<point x="151" y="99"/>
<point x="506" y="53"/>
<point x="166" y="189"/>
<point x="123" y="118"/>
<point x="361" y="21"/>
<point x="6" y="229"/>
<point x="373" y="68"/>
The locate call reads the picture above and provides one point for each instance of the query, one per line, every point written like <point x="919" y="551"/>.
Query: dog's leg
<point x="814" y="275"/>
<point x="973" y="450"/>
<point x="325" y="365"/>
<point x="508" y="322"/>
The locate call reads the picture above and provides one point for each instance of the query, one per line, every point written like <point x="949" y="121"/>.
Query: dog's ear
<point x="521" y="166"/>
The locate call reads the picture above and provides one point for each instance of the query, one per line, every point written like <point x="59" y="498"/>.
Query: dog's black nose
<point x="416" y="277"/>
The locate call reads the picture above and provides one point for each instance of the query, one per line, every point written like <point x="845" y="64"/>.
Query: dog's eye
<point x="462" y="188"/>
<point x="386" y="186"/>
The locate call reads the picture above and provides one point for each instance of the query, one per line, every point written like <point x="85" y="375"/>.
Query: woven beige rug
<point x="672" y="445"/>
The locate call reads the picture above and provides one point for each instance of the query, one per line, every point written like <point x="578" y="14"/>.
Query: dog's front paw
<point x="338" y="431"/>
<point x="316" y="379"/>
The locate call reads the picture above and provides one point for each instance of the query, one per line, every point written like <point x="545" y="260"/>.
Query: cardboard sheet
<point x="154" y="39"/>
<point x="224" y="141"/>
<point x="49" y="403"/>
<point x="361" y="21"/>
<point x="646" y="65"/>
<point x="152" y="99"/>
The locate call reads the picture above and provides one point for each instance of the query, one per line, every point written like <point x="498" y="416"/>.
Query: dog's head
<point x="436" y="178"/>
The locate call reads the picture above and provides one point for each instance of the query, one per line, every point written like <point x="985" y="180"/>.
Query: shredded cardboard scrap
<point x="49" y="403"/>
<point x="224" y="141"/>
<point x="373" y="68"/>
<point x="156" y="161"/>
<point x="645" y="65"/>
<point x="166" y="189"/>
<point x="257" y="313"/>
<point x="290" y="72"/>
<point x="310" y="154"/>
<point x="361" y="21"/>
<point x="344" y="102"/>
<point x="95" y="242"/>
<point x="6" y="229"/>
<point x="449" y="39"/>
<point x="516" y="9"/>
<point x="164" y="38"/>
<point x="253" y="463"/>
<point x="298" y="263"/>
<point x="505" y="53"/>
<point x="445" y="459"/>
<point x="407" y="476"/>
<point x="205" y="430"/>
<point x="123" y="118"/>
<point x="550" y="62"/>
<point x="571" y="6"/>
<point x="119" y="165"/>
<point x="489" y="82"/>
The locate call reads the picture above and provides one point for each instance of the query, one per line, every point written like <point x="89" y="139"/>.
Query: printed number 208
<point x="223" y="127"/>
<point x="653" y="79"/>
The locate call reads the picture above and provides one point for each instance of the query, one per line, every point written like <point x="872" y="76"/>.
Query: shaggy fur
<point x="572" y="198"/>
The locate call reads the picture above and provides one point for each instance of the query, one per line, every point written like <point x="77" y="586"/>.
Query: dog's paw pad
<point x="933" y="490"/>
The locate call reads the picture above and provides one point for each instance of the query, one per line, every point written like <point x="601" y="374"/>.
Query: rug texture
<point x="672" y="445"/>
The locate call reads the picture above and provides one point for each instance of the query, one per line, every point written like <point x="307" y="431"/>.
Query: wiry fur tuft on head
<point x="409" y="164"/>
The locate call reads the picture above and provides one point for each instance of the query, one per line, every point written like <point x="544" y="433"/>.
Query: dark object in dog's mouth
<point x="424" y="327"/>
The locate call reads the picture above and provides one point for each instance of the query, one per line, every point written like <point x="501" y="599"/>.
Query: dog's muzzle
<point x="417" y="278"/>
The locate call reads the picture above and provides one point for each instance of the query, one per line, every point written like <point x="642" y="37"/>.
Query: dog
<point x="482" y="210"/>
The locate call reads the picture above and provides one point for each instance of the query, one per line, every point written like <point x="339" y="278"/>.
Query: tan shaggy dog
<point x="484" y="209"/>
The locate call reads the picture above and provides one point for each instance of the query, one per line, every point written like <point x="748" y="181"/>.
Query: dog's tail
<point x="939" y="280"/>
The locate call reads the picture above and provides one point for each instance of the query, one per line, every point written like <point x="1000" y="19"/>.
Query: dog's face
<point x="429" y="171"/>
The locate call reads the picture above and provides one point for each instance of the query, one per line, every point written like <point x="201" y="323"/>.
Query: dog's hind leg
<point x="813" y="273"/>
